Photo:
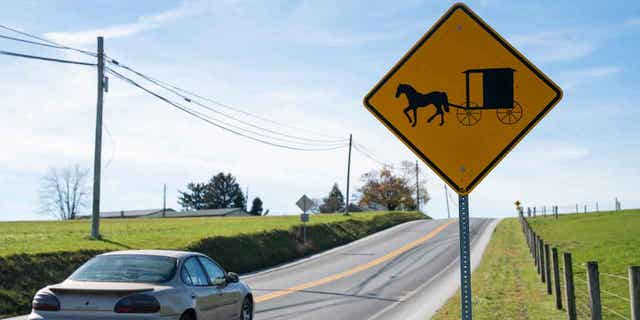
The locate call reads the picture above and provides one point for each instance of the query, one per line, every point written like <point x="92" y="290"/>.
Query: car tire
<point x="187" y="316"/>
<point x="246" y="313"/>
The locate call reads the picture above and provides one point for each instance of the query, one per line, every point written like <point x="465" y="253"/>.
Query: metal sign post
<point x="305" y="204"/>
<point x="465" y="257"/>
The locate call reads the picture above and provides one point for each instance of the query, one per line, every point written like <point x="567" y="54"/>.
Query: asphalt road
<point x="405" y="272"/>
<point x="375" y="278"/>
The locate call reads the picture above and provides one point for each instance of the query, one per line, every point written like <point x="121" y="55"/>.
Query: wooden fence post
<point x="537" y="243"/>
<point x="569" y="288"/>
<point x="634" y="291"/>
<point x="547" y="268"/>
<point x="556" y="278"/>
<point x="542" y="262"/>
<point x="593" y="281"/>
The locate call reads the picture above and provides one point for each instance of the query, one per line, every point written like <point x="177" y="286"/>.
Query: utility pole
<point x="95" y="212"/>
<point x="346" y="209"/>
<point x="446" y="199"/>
<point x="164" y="201"/>
<point x="417" y="187"/>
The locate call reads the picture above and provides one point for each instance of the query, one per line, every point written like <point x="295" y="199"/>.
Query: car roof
<point x="163" y="253"/>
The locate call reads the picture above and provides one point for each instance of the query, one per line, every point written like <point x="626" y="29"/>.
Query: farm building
<point x="170" y="213"/>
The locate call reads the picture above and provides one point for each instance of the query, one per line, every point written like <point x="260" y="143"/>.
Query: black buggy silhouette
<point x="497" y="89"/>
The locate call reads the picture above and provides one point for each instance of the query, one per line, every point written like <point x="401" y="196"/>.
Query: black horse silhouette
<point x="418" y="100"/>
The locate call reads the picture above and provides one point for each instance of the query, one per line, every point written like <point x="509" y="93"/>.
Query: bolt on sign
<point x="462" y="98"/>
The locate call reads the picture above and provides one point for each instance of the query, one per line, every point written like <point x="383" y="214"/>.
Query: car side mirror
<point x="232" y="277"/>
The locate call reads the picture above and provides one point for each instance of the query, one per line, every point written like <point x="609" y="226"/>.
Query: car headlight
<point x="45" y="301"/>
<point x="138" y="303"/>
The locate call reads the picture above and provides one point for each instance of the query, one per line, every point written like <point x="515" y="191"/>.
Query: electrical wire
<point x="57" y="45"/>
<point x="174" y="88"/>
<point x="27" y="56"/>
<point x="226" y="115"/>
<point x="212" y="122"/>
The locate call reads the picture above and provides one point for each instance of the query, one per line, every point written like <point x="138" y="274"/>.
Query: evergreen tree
<point x="334" y="202"/>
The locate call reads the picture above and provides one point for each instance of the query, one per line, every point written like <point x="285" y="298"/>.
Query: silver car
<point x="146" y="284"/>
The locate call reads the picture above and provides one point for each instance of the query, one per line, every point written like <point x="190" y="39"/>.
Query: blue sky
<point x="308" y="63"/>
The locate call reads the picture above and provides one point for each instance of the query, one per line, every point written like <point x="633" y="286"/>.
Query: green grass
<point x="52" y="236"/>
<point x="238" y="244"/>
<point x="506" y="285"/>
<point x="610" y="238"/>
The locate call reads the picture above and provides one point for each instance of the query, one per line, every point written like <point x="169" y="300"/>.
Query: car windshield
<point x="127" y="268"/>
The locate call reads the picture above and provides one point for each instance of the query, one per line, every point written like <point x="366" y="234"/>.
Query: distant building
<point x="228" y="212"/>
<point x="130" y="213"/>
<point x="170" y="213"/>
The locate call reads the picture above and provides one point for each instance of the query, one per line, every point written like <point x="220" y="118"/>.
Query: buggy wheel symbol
<point x="510" y="115"/>
<point x="468" y="116"/>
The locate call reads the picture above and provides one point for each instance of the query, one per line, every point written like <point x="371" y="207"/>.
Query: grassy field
<point x="118" y="234"/>
<point x="610" y="238"/>
<point x="48" y="252"/>
<point x="506" y="285"/>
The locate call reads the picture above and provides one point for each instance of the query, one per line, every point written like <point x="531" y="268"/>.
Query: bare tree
<point x="64" y="192"/>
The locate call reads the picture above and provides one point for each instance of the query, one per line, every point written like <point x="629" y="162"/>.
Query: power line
<point x="208" y="120"/>
<point x="174" y="88"/>
<point x="30" y="42"/>
<point x="190" y="100"/>
<point x="21" y="55"/>
<point x="54" y="44"/>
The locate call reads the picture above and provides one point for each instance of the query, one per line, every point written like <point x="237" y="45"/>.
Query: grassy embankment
<point x="34" y="254"/>
<point x="506" y="284"/>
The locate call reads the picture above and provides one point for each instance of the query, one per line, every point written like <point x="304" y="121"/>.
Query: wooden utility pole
<point x="346" y="209"/>
<point x="95" y="212"/>
<point x="164" y="201"/>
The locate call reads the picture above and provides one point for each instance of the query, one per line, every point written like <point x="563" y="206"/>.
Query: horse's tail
<point x="446" y="102"/>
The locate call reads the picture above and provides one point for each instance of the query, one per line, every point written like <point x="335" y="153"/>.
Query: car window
<point x="127" y="268"/>
<point x="213" y="270"/>
<point x="196" y="274"/>
<point x="186" y="277"/>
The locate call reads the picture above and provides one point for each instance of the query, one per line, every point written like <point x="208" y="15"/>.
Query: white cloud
<point x="633" y="22"/>
<point x="551" y="46"/>
<point x="573" y="78"/>
<point x="143" y="23"/>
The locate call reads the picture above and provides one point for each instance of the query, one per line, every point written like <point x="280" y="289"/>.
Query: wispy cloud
<point x="143" y="23"/>
<point x="551" y="46"/>
<point x="572" y="78"/>
<point x="633" y="22"/>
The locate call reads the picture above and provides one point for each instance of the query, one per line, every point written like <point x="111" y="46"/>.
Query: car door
<point x="229" y="293"/>
<point x="203" y="292"/>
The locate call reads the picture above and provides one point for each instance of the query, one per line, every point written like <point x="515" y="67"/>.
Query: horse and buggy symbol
<point x="497" y="89"/>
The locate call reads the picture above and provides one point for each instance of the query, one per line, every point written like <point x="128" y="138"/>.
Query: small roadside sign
<point x="304" y="217"/>
<point x="304" y="203"/>
<point x="462" y="98"/>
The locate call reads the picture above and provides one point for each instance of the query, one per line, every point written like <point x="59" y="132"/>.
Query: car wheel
<point x="247" y="309"/>
<point x="187" y="316"/>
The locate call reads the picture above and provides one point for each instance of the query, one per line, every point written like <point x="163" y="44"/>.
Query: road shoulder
<point x="505" y="286"/>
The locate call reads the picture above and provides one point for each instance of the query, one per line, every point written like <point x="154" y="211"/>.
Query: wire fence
<point x="593" y="207"/>
<point x="584" y="292"/>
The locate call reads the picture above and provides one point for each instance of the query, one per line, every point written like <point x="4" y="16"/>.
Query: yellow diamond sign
<point x="462" y="98"/>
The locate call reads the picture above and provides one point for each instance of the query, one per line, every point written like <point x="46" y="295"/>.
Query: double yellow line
<point x="344" y="274"/>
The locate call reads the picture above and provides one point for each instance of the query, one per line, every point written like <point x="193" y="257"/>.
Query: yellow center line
<point x="368" y="265"/>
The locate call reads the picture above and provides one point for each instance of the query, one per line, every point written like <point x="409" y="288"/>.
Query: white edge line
<point x="486" y="235"/>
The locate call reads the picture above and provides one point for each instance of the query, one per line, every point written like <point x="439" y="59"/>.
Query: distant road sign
<point x="462" y="98"/>
<point x="304" y="217"/>
<point x="304" y="203"/>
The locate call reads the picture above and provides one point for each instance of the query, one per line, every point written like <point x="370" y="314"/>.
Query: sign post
<point x="461" y="99"/>
<point x="305" y="204"/>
